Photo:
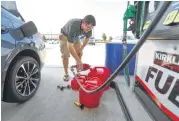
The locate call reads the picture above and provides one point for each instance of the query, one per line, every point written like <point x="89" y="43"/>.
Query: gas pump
<point x="157" y="76"/>
<point x="129" y="14"/>
<point x="157" y="64"/>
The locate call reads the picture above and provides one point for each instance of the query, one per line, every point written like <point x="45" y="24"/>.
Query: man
<point x="70" y="43"/>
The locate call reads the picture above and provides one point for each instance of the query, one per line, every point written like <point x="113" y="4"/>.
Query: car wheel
<point x="23" y="80"/>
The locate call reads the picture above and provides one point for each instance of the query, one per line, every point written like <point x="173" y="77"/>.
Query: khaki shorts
<point x="64" y="48"/>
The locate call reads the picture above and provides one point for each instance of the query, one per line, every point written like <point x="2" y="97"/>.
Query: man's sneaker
<point x="66" y="78"/>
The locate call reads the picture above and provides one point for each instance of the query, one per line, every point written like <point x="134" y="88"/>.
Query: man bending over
<point x="70" y="40"/>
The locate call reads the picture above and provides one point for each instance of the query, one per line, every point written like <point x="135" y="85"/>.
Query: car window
<point x="11" y="7"/>
<point x="16" y="22"/>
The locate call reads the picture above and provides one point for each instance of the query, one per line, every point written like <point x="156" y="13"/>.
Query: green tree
<point x="104" y="36"/>
<point x="44" y="38"/>
<point x="110" y="38"/>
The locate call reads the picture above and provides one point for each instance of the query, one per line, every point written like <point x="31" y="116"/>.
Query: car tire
<point x="17" y="76"/>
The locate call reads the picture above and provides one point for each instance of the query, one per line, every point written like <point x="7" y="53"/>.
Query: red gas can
<point x="103" y="73"/>
<point x="74" y="83"/>
<point x="90" y="100"/>
<point x="82" y="76"/>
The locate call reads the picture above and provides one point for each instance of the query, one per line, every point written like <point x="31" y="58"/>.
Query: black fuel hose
<point x="135" y="49"/>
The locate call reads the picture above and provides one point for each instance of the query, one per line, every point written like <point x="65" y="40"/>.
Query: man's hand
<point x="79" y="65"/>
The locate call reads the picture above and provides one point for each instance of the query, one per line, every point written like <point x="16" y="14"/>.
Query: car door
<point x="8" y="23"/>
<point x="7" y="41"/>
<point x="7" y="45"/>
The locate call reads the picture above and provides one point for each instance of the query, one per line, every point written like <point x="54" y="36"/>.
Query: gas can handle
<point x="85" y="67"/>
<point x="100" y="67"/>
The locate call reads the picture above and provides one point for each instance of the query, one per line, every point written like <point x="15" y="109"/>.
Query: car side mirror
<point x="29" y="29"/>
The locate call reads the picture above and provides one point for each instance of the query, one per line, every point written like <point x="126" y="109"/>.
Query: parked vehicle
<point x="22" y="55"/>
<point x="129" y="38"/>
<point x="91" y="41"/>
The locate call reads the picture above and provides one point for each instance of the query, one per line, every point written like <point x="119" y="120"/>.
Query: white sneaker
<point x="66" y="78"/>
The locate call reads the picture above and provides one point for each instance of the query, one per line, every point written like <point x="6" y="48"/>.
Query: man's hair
<point x="89" y="19"/>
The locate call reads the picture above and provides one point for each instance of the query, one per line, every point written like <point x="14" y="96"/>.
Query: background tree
<point x="104" y="36"/>
<point x="44" y="38"/>
<point x="110" y="38"/>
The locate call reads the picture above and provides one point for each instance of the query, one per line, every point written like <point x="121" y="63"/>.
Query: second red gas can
<point x="74" y="83"/>
<point x="90" y="100"/>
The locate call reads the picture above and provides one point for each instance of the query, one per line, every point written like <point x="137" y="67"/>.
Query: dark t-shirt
<point x="72" y="29"/>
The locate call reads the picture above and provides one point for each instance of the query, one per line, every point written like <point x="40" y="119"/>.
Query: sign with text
<point x="159" y="75"/>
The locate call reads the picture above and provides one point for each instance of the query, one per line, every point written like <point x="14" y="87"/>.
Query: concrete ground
<point x="51" y="104"/>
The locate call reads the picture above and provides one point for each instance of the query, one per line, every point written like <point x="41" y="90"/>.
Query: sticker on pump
<point x="176" y="19"/>
<point x="170" y="17"/>
<point x="167" y="60"/>
<point x="146" y="24"/>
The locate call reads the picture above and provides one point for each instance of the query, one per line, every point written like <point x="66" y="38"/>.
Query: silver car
<point x="91" y="41"/>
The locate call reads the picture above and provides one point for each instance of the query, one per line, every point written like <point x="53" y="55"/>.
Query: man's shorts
<point x="64" y="48"/>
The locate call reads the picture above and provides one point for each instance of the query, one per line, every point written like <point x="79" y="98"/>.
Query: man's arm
<point x="70" y="34"/>
<point x="88" y="35"/>
<point x="85" y="43"/>
<point x="72" y="51"/>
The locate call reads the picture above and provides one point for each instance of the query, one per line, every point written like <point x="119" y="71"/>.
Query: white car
<point x="130" y="39"/>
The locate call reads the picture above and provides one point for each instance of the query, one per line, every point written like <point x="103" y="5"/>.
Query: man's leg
<point x="65" y="55"/>
<point x="65" y="64"/>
